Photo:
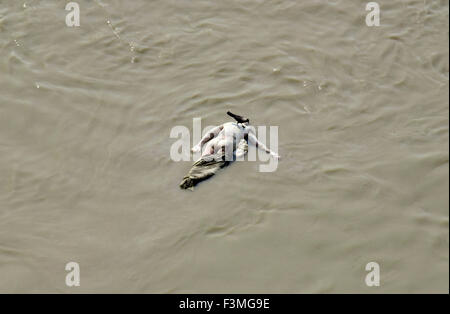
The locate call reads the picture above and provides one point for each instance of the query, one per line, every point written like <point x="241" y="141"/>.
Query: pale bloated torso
<point x="230" y="134"/>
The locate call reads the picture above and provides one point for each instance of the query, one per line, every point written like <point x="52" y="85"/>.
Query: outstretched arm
<point x="208" y="136"/>
<point x="253" y="140"/>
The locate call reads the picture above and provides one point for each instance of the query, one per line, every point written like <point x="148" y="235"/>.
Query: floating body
<point x="222" y="144"/>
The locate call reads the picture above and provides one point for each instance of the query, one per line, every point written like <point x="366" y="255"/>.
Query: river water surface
<point x="86" y="174"/>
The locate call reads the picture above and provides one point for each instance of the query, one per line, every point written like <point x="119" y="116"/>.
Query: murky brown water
<point x="86" y="175"/>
